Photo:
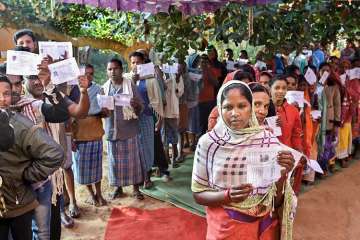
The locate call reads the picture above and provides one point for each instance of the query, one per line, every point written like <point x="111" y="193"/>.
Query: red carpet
<point x="160" y="224"/>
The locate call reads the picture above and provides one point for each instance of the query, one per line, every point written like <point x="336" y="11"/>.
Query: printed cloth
<point x="87" y="165"/>
<point x="147" y="130"/>
<point x="126" y="167"/>
<point x="222" y="160"/>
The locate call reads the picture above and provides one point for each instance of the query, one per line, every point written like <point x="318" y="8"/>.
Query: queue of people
<point x="169" y="113"/>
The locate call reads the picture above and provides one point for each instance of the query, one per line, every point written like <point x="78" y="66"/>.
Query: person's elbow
<point x="78" y="112"/>
<point x="197" y="198"/>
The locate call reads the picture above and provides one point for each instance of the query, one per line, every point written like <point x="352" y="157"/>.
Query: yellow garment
<point x="335" y="53"/>
<point x="343" y="149"/>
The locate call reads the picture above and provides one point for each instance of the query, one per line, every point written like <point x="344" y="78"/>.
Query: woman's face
<point x="264" y="80"/>
<point x="278" y="91"/>
<point x="292" y="84"/>
<point x="261" y="104"/>
<point x="236" y="110"/>
<point x="302" y="86"/>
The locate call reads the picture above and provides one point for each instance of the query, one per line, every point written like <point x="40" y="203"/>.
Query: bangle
<point x="227" y="196"/>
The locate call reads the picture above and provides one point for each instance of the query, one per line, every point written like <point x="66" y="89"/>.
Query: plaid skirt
<point x="87" y="165"/>
<point x="147" y="129"/>
<point x="194" y="120"/>
<point x="126" y="166"/>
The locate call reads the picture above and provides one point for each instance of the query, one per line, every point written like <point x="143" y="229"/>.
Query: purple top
<point x="194" y="7"/>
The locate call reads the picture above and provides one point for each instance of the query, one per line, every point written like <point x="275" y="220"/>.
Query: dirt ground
<point x="327" y="211"/>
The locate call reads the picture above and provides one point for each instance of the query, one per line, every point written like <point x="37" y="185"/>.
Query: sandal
<point x="138" y="196"/>
<point x="74" y="211"/>
<point x="91" y="201"/>
<point x="66" y="221"/>
<point x="148" y="184"/>
<point x="180" y="159"/>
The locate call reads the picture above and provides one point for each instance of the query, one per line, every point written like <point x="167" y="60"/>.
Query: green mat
<point x="177" y="191"/>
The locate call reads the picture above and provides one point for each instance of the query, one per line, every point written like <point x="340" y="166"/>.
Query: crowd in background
<point x="167" y="115"/>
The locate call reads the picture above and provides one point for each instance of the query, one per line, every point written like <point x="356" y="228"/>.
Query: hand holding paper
<point x="22" y="63"/>
<point x="145" y="70"/>
<point x="106" y="102"/>
<point x="324" y="77"/>
<point x="295" y="97"/>
<point x="310" y="76"/>
<point x="316" y="114"/>
<point x="122" y="100"/>
<point x="170" y="69"/>
<point x="56" y="50"/>
<point x="64" y="71"/>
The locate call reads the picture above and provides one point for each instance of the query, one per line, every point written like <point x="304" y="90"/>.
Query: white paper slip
<point x="195" y="77"/>
<point x="56" y="50"/>
<point x="295" y="97"/>
<point x="64" y="71"/>
<point x="272" y="123"/>
<point x="314" y="165"/>
<point x="354" y="73"/>
<point x="310" y="76"/>
<point x="262" y="168"/>
<point x="22" y="63"/>
<point x="145" y="70"/>
<point x="122" y="100"/>
<point x="316" y="114"/>
<point x="343" y="79"/>
<point x="106" y="101"/>
<point x="230" y="65"/>
<point x="170" y="69"/>
<point x="324" y="77"/>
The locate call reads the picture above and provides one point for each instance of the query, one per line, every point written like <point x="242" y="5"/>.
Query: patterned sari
<point x="226" y="158"/>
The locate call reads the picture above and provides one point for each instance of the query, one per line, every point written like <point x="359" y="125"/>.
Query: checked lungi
<point x="87" y="165"/>
<point x="126" y="166"/>
<point x="147" y="130"/>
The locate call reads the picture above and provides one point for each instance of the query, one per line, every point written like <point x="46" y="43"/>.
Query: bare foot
<point x="92" y="200"/>
<point x="101" y="201"/>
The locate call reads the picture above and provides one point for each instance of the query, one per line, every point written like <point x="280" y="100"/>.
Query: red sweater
<point x="290" y="126"/>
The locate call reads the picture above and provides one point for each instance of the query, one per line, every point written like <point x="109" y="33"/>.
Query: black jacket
<point x="33" y="157"/>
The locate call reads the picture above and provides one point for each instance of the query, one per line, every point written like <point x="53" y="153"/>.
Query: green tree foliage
<point x="278" y="27"/>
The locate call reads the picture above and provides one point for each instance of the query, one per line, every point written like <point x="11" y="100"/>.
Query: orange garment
<point x="292" y="136"/>
<point x="308" y="126"/>
<point x="213" y="118"/>
<point x="221" y="226"/>
<point x="207" y="93"/>
<point x="290" y="126"/>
